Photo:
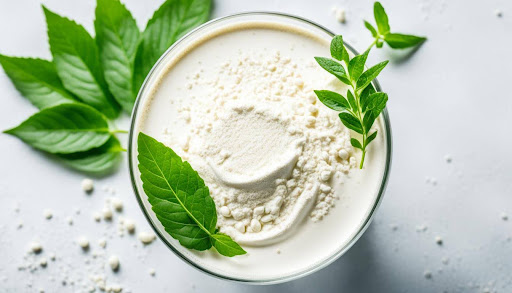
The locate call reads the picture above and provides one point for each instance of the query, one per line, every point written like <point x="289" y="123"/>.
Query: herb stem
<point x="119" y="131"/>
<point x="373" y="43"/>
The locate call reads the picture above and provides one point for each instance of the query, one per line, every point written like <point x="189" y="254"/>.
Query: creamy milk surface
<point x="238" y="105"/>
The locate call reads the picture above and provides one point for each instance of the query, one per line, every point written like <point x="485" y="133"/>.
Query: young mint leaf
<point x="333" y="100"/>
<point x="333" y="68"/>
<point x="371" y="29"/>
<point x="377" y="102"/>
<point x="100" y="160"/>
<point x="369" y="118"/>
<point x="64" y="129"/>
<point x="401" y="41"/>
<point x="355" y="143"/>
<point x="169" y="23"/>
<point x="77" y="62"/>
<point x="356" y="65"/>
<point x="338" y="51"/>
<point x="381" y="18"/>
<point x="117" y="37"/>
<point x="364" y="100"/>
<point x="371" y="137"/>
<point x="226" y="246"/>
<point x="351" y="122"/>
<point x="352" y="101"/>
<point x="37" y="80"/>
<point x="180" y="199"/>
<point x="369" y="75"/>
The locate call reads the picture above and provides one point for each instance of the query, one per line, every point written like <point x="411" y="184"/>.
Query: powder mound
<point x="264" y="147"/>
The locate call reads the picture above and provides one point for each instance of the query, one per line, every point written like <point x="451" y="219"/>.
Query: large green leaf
<point x="99" y="160"/>
<point x="369" y="75"/>
<point x="64" y="129"/>
<point x="169" y="23"/>
<point x="180" y="199"/>
<point x="117" y="36"/>
<point x="401" y="41"/>
<point x="332" y="100"/>
<point x="37" y="80"/>
<point x="76" y="58"/>
<point x="381" y="18"/>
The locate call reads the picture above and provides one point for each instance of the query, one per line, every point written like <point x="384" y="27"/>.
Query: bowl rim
<point x="282" y="279"/>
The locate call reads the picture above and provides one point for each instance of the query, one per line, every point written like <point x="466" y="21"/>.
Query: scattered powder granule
<point x="116" y="288"/>
<point x="439" y="240"/>
<point x="102" y="243"/>
<point x="427" y="274"/>
<point x="43" y="262"/>
<point x="498" y="12"/>
<point x="107" y="214"/>
<point x="421" y="228"/>
<point x="53" y="257"/>
<point x="504" y="216"/>
<point x="152" y="272"/>
<point x="36" y="247"/>
<point x="445" y="260"/>
<point x="448" y="158"/>
<point x="117" y="204"/>
<point x="129" y="225"/>
<point x="146" y="237"/>
<point x="69" y="220"/>
<point x="87" y="185"/>
<point x="48" y="214"/>
<point x="20" y="225"/>
<point x="83" y="242"/>
<point x="113" y="262"/>
<point x="339" y="13"/>
<point x="96" y="216"/>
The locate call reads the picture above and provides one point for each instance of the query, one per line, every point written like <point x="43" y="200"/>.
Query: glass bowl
<point x="132" y="145"/>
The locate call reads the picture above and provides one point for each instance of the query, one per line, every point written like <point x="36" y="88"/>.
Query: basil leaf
<point x="371" y="29"/>
<point x="356" y="65"/>
<point x="179" y="198"/>
<point x="369" y="75"/>
<point x="77" y="62"/>
<point x="351" y="122"/>
<point x="332" y="100"/>
<point x="65" y="128"/>
<point x="333" y="68"/>
<point x="37" y="80"/>
<point x="352" y="100"/>
<point x="169" y="23"/>
<point x="401" y="41"/>
<point x="381" y="18"/>
<point x="117" y="37"/>
<point x="364" y="100"/>
<point x="371" y="137"/>
<point x="98" y="160"/>
<point x="355" y="143"/>
<point x="226" y="246"/>
<point x="337" y="48"/>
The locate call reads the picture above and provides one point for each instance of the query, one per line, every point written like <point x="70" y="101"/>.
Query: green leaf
<point x="364" y="100"/>
<point x="371" y="137"/>
<point x="64" y="129"/>
<point x="377" y="102"/>
<point x="76" y="59"/>
<point x="351" y="122"/>
<point x="226" y="246"/>
<point x="179" y="197"/>
<point x="381" y="18"/>
<point x="333" y="68"/>
<point x="352" y="101"/>
<point x="368" y="119"/>
<point x="37" y="80"/>
<point x="169" y="23"/>
<point x="332" y="100"/>
<point x="117" y="37"/>
<point x="369" y="75"/>
<point x="96" y="161"/>
<point x="371" y="29"/>
<point x="338" y="51"/>
<point x="355" y="143"/>
<point x="401" y="41"/>
<point x="356" y="65"/>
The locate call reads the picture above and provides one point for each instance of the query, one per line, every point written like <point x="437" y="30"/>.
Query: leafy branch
<point x="362" y="104"/>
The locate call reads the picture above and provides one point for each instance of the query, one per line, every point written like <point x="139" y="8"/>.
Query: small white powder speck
<point x="113" y="262"/>
<point x="427" y="274"/>
<point x="129" y="225"/>
<point x="439" y="240"/>
<point x="83" y="242"/>
<point x="146" y="237"/>
<point x="504" y="216"/>
<point x="498" y="13"/>
<point x="339" y="13"/>
<point x="69" y="220"/>
<point x="87" y="185"/>
<point x="117" y="203"/>
<point x="152" y="272"/>
<point x="96" y="216"/>
<point x="48" y="214"/>
<point x="102" y="243"/>
<point x="448" y="158"/>
<point x="36" y="247"/>
<point x="107" y="214"/>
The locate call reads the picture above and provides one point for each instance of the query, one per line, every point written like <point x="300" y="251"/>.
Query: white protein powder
<point x="264" y="145"/>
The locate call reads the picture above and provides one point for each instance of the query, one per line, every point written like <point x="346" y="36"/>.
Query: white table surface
<point x="450" y="98"/>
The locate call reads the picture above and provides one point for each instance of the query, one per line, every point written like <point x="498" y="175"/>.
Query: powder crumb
<point x="427" y="274"/>
<point x="445" y="260"/>
<point x="278" y="251"/>
<point x="394" y="227"/>
<point x="113" y="262"/>
<point x="36" y="247"/>
<point x="69" y="220"/>
<point x="107" y="214"/>
<point x="83" y="242"/>
<point x="102" y="243"/>
<point x="339" y="13"/>
<point x="96" y="216"/>
<point x="53" y="257"/>
<point x="87" y="185"/>
<point x="498" y="13"/>
<point x="48" y="214"/>
<point x="117" y="204"/>
<point x="20" y="225"/>
<point x="421" y="228"/>
<point x="129" y="225"/>
<point x="43" y="262"/>
<point x="504" y="216"/>
<point x="146" y="237"/>
<point x="116" y="288"/>
<point x="448" y="159"/>
<point x="439" y="240"/>
<point x="152" y="272"/>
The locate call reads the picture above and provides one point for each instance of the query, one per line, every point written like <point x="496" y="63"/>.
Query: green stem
<point x="119" y="131"/>
<point x="362" y="158"/>
<point x="374" y="43"/>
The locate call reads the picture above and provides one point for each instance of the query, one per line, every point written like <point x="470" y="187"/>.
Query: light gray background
<point x="450" y="98"/>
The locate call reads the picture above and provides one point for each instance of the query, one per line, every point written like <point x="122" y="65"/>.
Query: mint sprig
<point x="383" y="32"/>
<point x="104" y="73"/>
<point x="180" y="199"/>
<point x="362" y="105"/>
